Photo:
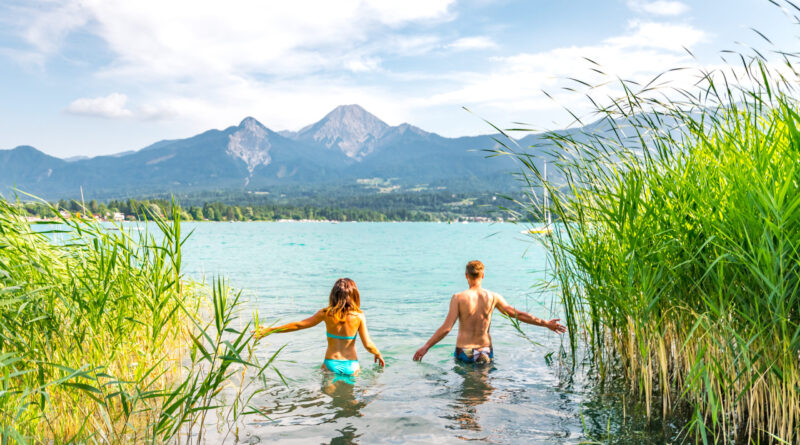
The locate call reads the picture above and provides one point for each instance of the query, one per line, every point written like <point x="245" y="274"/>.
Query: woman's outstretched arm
<point x="366" y="340"/>
<point x="293" y="326"/>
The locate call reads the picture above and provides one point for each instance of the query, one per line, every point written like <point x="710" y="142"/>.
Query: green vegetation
<point x="678" y="256"/>
<point x="678" y="260"/>
<point x="102" y="339"/>
<point x="226" y="206"/>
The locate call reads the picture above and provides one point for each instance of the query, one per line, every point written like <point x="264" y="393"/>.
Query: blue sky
<point x="92" y="77"/>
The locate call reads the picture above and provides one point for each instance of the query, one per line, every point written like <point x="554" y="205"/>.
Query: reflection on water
<point x="343" y="398"/>
<point x="475" y="390"/>
<point x="344" y="403"/>
<point x="348" y="436"/>
<point x="335" y="401"/>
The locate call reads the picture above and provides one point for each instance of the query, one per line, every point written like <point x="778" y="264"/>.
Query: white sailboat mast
<point x="548" y="221"/>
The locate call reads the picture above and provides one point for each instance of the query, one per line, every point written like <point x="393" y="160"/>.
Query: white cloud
<point x="469" y="43"/>
<point x="216" y="91"/>
<point x="157" y="111"/>
<point x="47" y="31"/>
<point x="26" y="59"/>
<point x="515" y="86"/>
<point x="211" y="63"/>
<point x="206" y="65"/>
<point x="183" y="39"/>
<point x="668" y="36"/>
<point x="111" y="106"/>
<point x="409" y="45"/>
<point x="399" y="12"/>
<point x="361" y="65"/>
<point x="659" y="7"/>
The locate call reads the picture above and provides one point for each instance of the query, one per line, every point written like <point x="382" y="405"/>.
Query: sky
<point x="94" y="77"/>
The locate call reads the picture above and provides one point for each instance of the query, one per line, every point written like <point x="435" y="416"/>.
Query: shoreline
<point x="477" y="220"/>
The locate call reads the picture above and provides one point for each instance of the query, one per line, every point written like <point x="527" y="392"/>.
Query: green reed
<point x="677" y="252"/>
<point x="103" y="340"/>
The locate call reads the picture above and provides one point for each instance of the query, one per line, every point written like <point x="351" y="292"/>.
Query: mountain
<point x="25" y="166"/>
<point x="349" y="129"/>
<point x="348" y="147"/>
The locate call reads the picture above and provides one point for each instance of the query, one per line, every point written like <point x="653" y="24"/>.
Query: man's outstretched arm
<point x="444" y="329"/>
<point x="553" y="325"/>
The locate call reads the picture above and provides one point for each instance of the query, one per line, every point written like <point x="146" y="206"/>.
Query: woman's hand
<point x="420" y="353"/>
<point x="379" y="360"/>
<point x="259" y="333"/>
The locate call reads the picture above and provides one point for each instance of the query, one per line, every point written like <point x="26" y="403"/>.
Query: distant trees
<point x="196" y="213"/>
<point x="429" y="206"/>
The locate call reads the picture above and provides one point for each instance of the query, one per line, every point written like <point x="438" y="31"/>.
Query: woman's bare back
<point x="341" y="349"/>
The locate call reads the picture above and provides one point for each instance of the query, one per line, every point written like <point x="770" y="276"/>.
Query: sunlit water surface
<point x="406" y="273"/>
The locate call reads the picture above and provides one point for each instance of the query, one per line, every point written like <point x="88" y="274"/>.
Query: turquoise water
<point x="406" y="273"/>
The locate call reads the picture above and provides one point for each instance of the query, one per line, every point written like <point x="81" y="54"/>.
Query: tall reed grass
<point x="677" y="252"/>
<point x="103" y="340"/>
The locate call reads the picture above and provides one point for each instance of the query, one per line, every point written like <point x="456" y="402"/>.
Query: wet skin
<point x="473" y="309"/>
<point x="338" y="349"/>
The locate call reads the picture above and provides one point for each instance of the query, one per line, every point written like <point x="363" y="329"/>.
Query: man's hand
<point x="420" y="353"/>
<point x="379" y="360"/>
<point x="555" y="326"/>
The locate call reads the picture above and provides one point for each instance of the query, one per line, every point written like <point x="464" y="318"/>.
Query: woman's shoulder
<point x="352" y="315"/>
<point x="355" y="316"/>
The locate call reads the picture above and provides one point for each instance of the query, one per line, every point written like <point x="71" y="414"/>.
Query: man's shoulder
<point x="468" y="293"/>
<point x="457" y="298"/>
<point x="493" y="295"/>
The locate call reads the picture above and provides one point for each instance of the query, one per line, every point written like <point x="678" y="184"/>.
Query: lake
<point x="406" y="273"/>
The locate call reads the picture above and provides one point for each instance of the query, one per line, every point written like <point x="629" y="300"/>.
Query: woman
<point x="343" y="322"/>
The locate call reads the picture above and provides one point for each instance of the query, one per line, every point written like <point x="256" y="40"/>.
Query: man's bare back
<point x="473" y="310"/>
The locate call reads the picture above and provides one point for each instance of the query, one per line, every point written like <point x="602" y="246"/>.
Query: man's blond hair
<point x="474" y="269"/>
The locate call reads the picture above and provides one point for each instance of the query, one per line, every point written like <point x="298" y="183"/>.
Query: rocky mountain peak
<point x="250" y="143"/>
<point x="250" y="122"/>
<point x="350" y="128"/>
<point x="353" y="112"/>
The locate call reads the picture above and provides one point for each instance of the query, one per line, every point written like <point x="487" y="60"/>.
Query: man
<point x="473" y="309"/>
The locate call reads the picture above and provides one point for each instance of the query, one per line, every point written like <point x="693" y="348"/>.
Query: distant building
<point x="118" y="216"/>
<point x="64" y="214"/>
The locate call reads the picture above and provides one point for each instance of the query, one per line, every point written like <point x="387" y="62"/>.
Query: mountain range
<point x="348" y="146"/>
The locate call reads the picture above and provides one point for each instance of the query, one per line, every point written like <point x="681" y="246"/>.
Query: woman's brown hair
<point x="344" y="299"/>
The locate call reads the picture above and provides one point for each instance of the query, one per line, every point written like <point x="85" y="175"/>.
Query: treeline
<point x="134" y="209"/>
<point x="337" y="205"/>
<point x="218" y="211"/>
<point x="441" y="204"/>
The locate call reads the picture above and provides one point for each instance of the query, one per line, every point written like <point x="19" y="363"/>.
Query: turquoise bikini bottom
<point x="342" y="367"/>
